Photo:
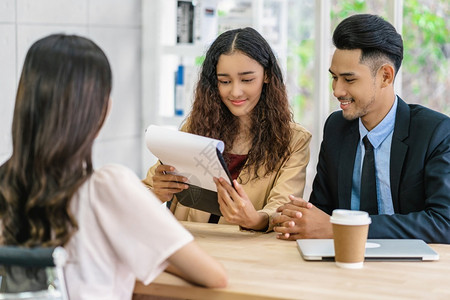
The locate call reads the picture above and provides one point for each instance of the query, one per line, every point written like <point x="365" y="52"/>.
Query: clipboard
<point x="196" y="157"/>
<point x="200" y="198"/>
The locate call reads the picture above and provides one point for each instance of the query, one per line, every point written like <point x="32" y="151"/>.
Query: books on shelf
<point x="185" y="22"/>
<point x="197" y="21"/>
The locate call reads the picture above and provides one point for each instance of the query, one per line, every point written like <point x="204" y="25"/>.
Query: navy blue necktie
<point x="368" y="199"/>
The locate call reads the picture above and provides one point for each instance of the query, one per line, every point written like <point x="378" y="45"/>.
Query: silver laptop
<point x="376" y="249"/>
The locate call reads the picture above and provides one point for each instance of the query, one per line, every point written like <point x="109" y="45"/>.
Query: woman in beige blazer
<point x="241" y="99"/>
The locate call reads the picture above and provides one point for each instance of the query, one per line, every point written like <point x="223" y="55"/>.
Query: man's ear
<point x="387" y="75"/>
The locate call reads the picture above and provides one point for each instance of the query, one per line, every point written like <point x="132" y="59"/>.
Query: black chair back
<point x="32" y="273"/>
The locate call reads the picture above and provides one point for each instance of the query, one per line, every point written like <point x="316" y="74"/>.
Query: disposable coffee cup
<point x="350" y="229"/>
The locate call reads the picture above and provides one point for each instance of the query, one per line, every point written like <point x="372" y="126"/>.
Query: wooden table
<point x="262" y="267"/>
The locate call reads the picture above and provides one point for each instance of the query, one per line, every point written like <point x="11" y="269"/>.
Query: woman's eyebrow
<point x="246" y="73"/>
<point x="240" y="73"/>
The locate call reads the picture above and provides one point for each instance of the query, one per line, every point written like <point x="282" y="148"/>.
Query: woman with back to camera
<point x="241" y="99"/>
<point x="113" y="230"/>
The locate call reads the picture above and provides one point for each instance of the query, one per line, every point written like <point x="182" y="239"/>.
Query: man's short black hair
<point x="377" y="39"/>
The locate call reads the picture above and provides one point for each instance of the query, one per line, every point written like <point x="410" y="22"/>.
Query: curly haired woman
<point x="241" y="99"/>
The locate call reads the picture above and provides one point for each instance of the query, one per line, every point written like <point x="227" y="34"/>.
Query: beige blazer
<point x="266" y="193"/>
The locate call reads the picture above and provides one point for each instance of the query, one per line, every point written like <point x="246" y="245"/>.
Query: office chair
<point x="32" y="273"/>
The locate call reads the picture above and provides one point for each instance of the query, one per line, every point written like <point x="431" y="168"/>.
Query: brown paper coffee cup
<point x="350" y="229"/>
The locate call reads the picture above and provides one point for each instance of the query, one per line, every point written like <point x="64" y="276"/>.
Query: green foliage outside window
<point x="426" y="39"/>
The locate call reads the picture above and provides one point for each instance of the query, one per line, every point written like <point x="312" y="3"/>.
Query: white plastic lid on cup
<point x="350" y="217"/>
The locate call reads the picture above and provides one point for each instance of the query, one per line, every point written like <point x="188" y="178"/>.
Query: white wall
<point x="115" y="25"/>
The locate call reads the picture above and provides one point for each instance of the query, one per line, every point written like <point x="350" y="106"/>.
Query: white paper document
<point x="196" y="157"/>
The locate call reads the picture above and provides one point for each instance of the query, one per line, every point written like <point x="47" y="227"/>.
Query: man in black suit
<point x="410" y="146"/>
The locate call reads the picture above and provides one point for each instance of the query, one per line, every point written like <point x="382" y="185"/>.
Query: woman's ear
<point x="388" y="75"/>
<point x="266" y="78"/>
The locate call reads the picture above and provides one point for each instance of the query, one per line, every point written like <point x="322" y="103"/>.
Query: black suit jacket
<point x="419" y="171"/>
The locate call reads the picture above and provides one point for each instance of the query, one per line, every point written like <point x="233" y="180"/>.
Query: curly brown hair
<point x="61" y="104"/>
<point x="271" y="117"/>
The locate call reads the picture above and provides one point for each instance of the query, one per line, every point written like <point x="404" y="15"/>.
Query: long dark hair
<point x="270" y="118"/>
<point x="61" y="103"/>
